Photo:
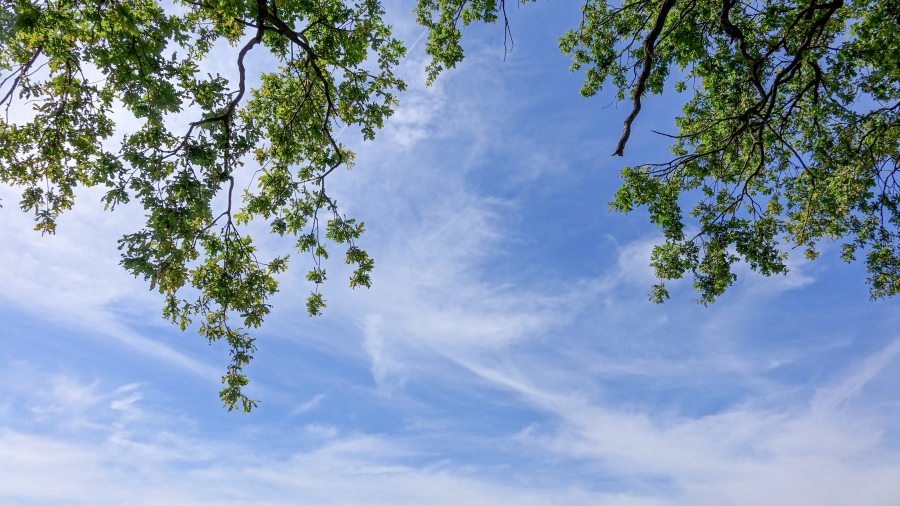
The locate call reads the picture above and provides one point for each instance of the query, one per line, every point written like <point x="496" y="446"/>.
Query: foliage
<point x="82" y="63"/>
<point x="792" y="128"/>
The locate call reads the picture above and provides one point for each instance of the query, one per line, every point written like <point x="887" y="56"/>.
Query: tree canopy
<point x="791" y="129"/>
<point x="790" y="132"/>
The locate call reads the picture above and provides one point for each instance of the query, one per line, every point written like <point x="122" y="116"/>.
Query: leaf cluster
<point x="78" y="63"/>
<point x="790" y="135"/>
<point x="791" y="131"/>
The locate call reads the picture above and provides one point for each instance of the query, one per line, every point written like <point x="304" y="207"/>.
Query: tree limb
<point x="649" y="48"/>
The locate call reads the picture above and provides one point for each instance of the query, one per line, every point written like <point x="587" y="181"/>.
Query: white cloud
<point x="73" y="278"/>
<point x="310" y="404"/>
<point x="749" y="455"/>
<point x="810" y="454"/>
<point x="828" y="399"/>
<point x="141" y="461"/>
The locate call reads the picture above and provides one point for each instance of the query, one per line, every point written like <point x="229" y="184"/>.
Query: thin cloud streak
<point x="73" y="278"/>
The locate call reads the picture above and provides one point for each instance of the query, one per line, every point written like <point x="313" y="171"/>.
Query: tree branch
<point x="649" y="49"/>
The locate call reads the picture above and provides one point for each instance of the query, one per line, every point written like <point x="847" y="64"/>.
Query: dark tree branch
<point x="227" y="115"/>
<point x="649" y="50"/>
<point x="23" y="71"/>
<point x="737" y="35"/>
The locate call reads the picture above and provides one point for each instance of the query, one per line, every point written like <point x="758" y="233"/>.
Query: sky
<point x="506" y="353"/>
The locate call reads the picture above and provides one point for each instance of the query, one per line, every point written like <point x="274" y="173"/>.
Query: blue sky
<point x="506" y="354"/>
